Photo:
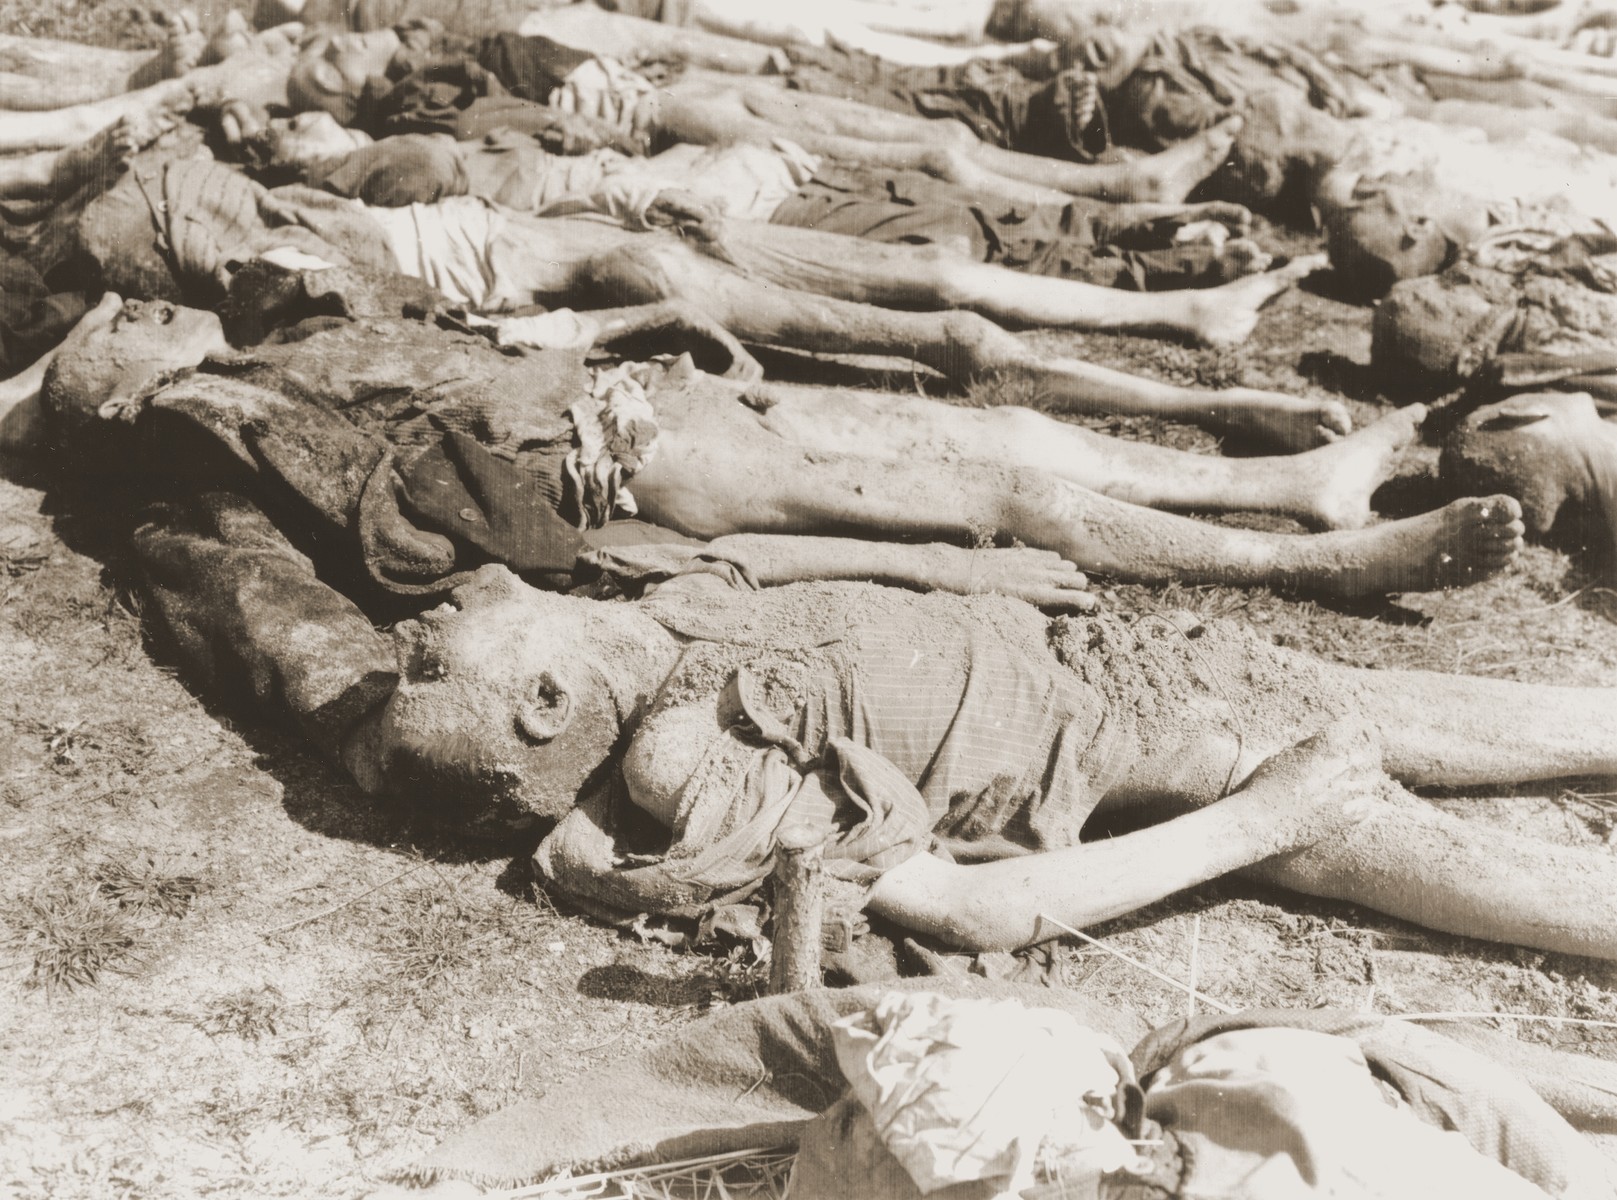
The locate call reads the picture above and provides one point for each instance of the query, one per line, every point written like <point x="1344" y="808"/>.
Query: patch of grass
<point x="428" y="939"/>
<point x="249" y="1013"/>
<point x="73" y="745"/>
<point x="137" y="885"/>
<point x="72" y="935"/>
<point x="1006" y="388"/>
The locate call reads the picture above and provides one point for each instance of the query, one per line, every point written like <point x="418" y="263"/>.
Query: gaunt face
<point x="101" y="372"/>
<point x="311" y="137"/>
<point x="331" y="71"/>
<point x="505" y="705"/>
<point x="1388" y="233"/>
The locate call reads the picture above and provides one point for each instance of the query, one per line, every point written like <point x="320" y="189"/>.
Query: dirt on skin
<point x="299" y="990"/>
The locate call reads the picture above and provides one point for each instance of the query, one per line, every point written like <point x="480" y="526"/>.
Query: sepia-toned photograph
<point x="808" y="599"/>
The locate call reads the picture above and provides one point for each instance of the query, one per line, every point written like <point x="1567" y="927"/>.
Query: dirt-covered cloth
<point x="1189" y="80"/>
<point x="177" y="229"/>
<point x="431" y="79"/>
<point x="248" y="613"/>
<point x="1529" y="313"/>
<point x="518" y="172"/>
<point x="751" y="1075"/>
<point x="404" y="169"/>
<point x="1072" y="241"/>
<point x="756" y="1074"/>
<point x="505" y="454"/>
<point x="412" y="452"/>
<point x="1061" y="116"/>
<point x="471" y="86"/>
<point x="922" y="728"/>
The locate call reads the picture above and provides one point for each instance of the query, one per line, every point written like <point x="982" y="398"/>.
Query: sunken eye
<point x="164" y="314"/>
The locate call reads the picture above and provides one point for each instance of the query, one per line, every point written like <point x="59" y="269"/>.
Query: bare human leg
<point x="709" y="113"/>
<point x="1328" y="488"/>
<point x="907" y="276"/>
<point x="961" y="345"/>
<point x="257" y="77"/>
<point x="1405" y="857"/>
<point x="1311" y="793"/>
<point x="723" y="472"/>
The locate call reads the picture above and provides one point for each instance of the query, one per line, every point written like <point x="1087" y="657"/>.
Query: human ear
<point x="547" y="711"/>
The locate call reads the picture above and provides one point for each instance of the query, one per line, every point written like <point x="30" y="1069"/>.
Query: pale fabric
<point x="745" y="181"/>
<point x="559" y="329"/>
<point x="447" y="245"/>
<point x="975" y="1090"/>
<point x="602" y="88"/>
<point x="1289" y="1114"/>
<point x="616" y="429"/>
<point x="1520" y="181"/>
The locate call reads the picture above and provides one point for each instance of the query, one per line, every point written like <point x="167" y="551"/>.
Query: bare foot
<point x="1317" y="789"/>
<point x="106" y="155"/>
<point x="1041" y="577"/>
<point x="234" y="36"/>
<point x="1168" y="177"/>
<point x="183" y="45"/>
<point x="1226" y="315"/>
<point x="1289" y="423"/>
<point x="1237" y="218"/>
<point x="1339" y="479"/>
<point x="1240" y="258"/>
<point x="1461" y="544"/>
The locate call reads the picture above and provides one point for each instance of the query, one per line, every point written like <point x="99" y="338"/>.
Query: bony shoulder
<point x="666" y="750"/>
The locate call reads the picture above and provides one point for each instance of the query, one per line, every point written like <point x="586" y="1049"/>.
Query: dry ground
<point x="225" y="972"/>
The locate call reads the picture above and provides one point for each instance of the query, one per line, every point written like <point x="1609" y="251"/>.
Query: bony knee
<point x="968" y="333"/>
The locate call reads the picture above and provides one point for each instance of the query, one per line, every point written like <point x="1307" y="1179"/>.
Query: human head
<point x="101" y="373"/>
<point x="511" y="699"/>
<point x="293" y="143"/>
<point x="332" y="69"/>
<point x="1536" y="447"/>
<point x="1286" y="146"/>
<point x="1385" y="231"/>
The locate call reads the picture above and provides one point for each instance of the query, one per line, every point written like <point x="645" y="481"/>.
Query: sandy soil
<point x="298" y="991"/>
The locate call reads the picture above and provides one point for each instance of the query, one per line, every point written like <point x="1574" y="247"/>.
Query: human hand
<point x="1041" y="577"/>
<point x="241" y="121"/>
<point x="1318" y="789"/>
<point x="743" y="366"/>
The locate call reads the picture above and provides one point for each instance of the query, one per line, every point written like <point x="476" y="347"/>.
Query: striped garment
<point x="918" y="730"/>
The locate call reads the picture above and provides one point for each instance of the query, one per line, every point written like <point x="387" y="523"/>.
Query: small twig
<point x="1134" y="962"/>
<point x="1478" y="1016"/>
<point x="344" y="904"/>
<point x="1190" y="979"/>
<point x="598" y="1180"/>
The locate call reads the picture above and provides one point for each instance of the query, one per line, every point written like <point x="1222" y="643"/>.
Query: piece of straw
<point x="1190" y="981"/>
<point x="1478" y="1016"/>
<point x="1134" y="962"/>
<point x="767" y="1162"/>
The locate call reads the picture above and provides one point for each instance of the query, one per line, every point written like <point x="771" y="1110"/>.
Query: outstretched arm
<point x="1304" y="795"/>
<point x="685" y="323"/>
<point x="1039" y="577"/>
